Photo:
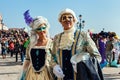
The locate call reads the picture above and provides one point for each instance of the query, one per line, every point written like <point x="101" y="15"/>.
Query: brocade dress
<point x="40" y="63"/>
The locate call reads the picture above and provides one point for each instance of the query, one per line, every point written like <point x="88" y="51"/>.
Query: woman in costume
<point x="102" y="47"/>
<point x="116" y="52"/>
<point x="72" y="42"/>
<point x="38" y="63"/>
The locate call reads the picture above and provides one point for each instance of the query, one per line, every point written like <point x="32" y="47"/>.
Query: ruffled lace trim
<point x="67" y="39"/>
<point x="48" y="45"/>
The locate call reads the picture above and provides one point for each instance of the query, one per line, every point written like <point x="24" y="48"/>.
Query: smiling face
<point x="67" y="21"/>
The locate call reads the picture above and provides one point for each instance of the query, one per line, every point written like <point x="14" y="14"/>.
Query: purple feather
<point x="28" y="18"/>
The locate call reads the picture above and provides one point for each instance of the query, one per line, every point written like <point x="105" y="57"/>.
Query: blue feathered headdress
<point x="28" y="18"/>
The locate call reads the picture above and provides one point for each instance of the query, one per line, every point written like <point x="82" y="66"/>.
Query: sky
<point x="98" y="14"/>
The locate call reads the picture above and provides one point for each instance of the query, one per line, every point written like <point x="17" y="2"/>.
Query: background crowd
<point x="108" y="44"/>
<point x="13" y="42"/>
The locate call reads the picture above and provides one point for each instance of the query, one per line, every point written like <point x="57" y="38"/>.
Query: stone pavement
<point x="111" y="73"/>
<point x="10" y="70"/>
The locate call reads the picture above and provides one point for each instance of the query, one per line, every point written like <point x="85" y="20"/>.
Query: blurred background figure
<point x="109" y="47"/>
<point x="102" y="49"/>
<point x="116" y="52"/>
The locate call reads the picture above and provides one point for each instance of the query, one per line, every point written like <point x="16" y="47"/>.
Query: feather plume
<point x="28" y="18"/>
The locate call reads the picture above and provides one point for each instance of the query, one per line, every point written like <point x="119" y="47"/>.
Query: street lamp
<point x="81" y="23"/>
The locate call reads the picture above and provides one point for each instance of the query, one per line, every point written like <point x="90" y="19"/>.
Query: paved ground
<point x="10" y="70"/>
<point x="111" y="73"/>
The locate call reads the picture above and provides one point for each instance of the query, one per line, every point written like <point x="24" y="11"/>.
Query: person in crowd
<point x="16" y="50"/>
<point x="0" y="48"/>
<point x="11" y="47"/>
<point x="38" y="63"/>
<point x="116" y="52"/>
<point x="109" y="47"/>
<point x="75" y="51"/>
<point x="24" y="45"/>
<point x="4" y="48"/>
<point x="102" y="49"/>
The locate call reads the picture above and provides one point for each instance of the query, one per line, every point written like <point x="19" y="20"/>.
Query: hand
<point x="74" y="64"/>
<point x="58" y="71"/>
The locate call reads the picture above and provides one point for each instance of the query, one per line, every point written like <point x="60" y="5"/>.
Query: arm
<point x="91" y="46"/>
<point x="56" y="67"/>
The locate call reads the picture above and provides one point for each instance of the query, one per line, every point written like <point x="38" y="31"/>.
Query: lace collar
<point x="67" y="39"/>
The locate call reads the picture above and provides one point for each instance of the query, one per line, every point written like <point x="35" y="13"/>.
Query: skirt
<point x="42" y="75"/>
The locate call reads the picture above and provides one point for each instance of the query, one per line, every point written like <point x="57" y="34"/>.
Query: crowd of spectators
<point x="108" y="44"/>
<point x="13" y="42"/>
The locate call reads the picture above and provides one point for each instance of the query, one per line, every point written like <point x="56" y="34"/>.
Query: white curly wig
<point x="35" y="24"/>
<point x="67" y="10"/>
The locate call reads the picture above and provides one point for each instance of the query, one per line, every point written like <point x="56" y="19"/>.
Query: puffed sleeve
<point x="90" y="45"/>
<point x="27" y="60"/>
<point x="55" y="47"/>
<point x="52" y="60"/>
<point x="27" y="53"/>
